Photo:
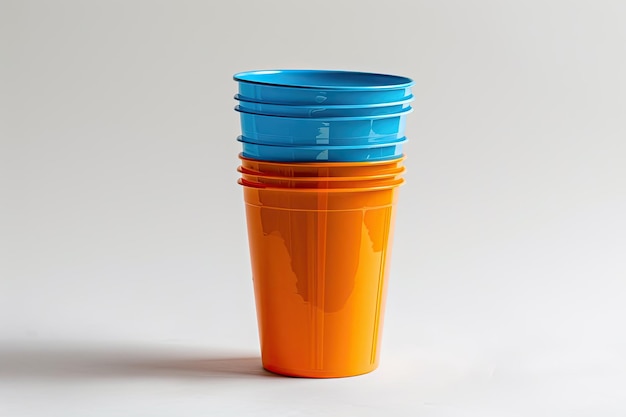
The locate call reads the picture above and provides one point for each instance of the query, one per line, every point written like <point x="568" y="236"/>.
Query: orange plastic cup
<point x="319" y="182"/>
<point x="322" y="169"/>
<point x="320" y="262"/>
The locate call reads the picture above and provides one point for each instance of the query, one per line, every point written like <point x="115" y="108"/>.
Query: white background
<point x="125" y="283"/>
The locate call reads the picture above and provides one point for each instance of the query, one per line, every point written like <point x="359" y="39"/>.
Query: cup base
<point x="316" y="373"/>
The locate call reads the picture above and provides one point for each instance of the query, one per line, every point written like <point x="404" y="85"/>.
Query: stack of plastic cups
<point x="321" y="165"/>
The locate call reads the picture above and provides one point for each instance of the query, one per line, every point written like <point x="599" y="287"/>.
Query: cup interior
<point x="324" y="79"/>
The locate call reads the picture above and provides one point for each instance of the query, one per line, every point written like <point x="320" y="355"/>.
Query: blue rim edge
<point x="408" y="83"/>
<point x="401" y="141"/>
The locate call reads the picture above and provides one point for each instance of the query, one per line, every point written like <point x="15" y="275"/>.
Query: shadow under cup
<point x="320" y="261"/>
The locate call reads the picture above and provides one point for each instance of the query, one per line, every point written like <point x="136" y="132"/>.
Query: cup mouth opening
<point x="327" y="119"/>
<point x="259" y="186"/>
<point x="243" y="170"/>
<point x="340" y="80"/>
<point x="360" y="164"/>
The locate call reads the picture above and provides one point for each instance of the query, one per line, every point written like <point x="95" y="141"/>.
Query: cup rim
<point x="260" y="186"/>
<point x="328" y="119"/>
<point x="409" y="99"/>
<point x="243" y="170"/>
<point x="363" y="164"/>
<point x="271" y="77"/>
<point x="375" y="145"/>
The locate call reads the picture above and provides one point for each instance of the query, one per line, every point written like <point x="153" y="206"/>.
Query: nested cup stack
<point x="321" y="166"/>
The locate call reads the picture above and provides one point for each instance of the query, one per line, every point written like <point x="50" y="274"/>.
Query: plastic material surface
<point x="320" y="263"/>
<point x="322" y="169"/>
<point x="318" y="111"/>
<point x="338" y="131"/>
<point x="372" y="152"/>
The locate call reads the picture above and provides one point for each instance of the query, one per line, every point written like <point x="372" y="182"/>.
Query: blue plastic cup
<point x="319" y="111"/>
<point x="335" y="131"/>
<point x="354" y="153"/>
<point x="328" y="87"/>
